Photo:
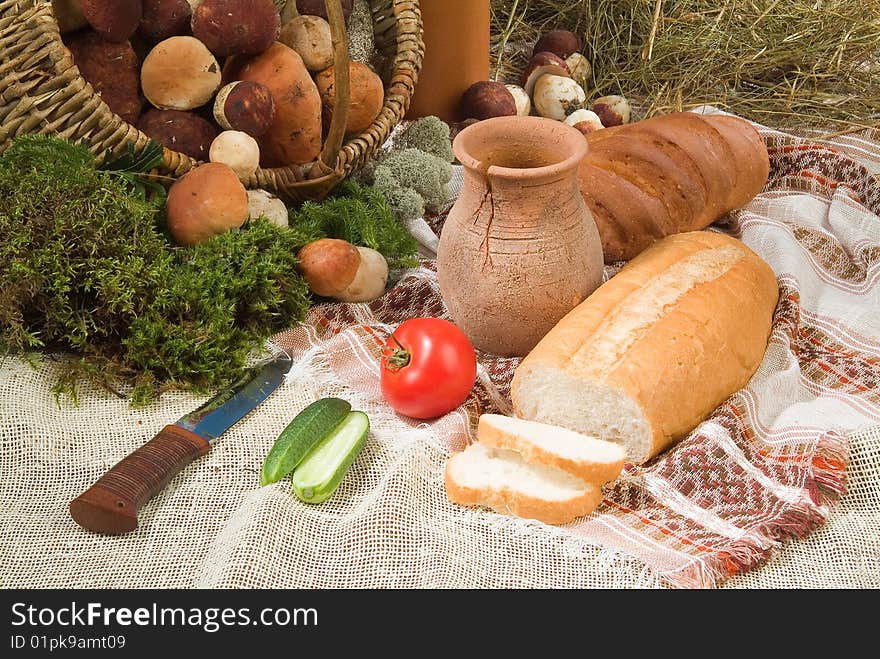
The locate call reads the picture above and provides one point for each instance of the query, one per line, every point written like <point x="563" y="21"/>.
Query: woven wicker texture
<point x="41" y="91"/>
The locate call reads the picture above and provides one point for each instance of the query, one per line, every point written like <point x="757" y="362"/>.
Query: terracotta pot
<point x="519" y="249"/>
<point x="456" y="36"/>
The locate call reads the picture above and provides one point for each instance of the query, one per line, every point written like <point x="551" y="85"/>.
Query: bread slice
<point x="593" y="460"/>
<point x="500" y="479"/>
<point x="657" y="348"/>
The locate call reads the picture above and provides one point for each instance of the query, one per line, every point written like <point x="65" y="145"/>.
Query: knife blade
<point x="112" y="504"/>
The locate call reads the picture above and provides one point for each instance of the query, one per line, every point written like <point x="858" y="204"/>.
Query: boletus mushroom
<point x="180" y="73"/>
<point x="185" y="132"/>
<point x="165" y="18"/>
<point x="561" y="43"/>
<point x="115" y="21"/>
<point x="111" y="69"/>
<point x="246" y="106"/>
<point x="556" y="97"/>
<point x="486" y="99"/>
<point x="294" y="137"/>
<point x="310" y="37"/>
<point x="586" y="121"/>
<point x="262" y="203"/>
<point x="317" y="8"/>
<point x="205" y="202"/>
<point x="236" y="27"/>
<point x="366" y="96"/>
<point x="541" y="64"/>
<point x="337" y="269"/>
<point x="238" y="150"/>
<point x="612" y="110"/>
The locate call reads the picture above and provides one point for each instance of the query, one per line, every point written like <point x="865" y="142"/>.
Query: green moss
<point x="416" y="170"/>
<point x="84" y="270"/>
<point x="362" y="215"/>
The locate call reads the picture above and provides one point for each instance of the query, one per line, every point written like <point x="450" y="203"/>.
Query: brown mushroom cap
<point x="180" y="73"/>
<point x="366" y="98"/>
<point x="486" y="99"/>
<point x="561" y="43"/>
<point x="236" y="27"/>
<point x="541" y="63"/>
<point x="184" y="132"/>
<point x="204" y="202"/>
<point x="115" y="21"/>
<point x="165" y="18"/>
<point x="317" y="8"/>
<point x="310" y="37"/>
<point x="329" y="265"/>
<point x="112" y="70"/>
<point x="246" y="106"/>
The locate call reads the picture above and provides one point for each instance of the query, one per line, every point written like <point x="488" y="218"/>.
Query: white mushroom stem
<point x="371" y="278"/>
<point x="522" y="100"/>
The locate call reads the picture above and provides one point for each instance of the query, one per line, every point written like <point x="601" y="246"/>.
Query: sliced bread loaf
<point x="590" y="459"/>
<point x="500" y="479"/>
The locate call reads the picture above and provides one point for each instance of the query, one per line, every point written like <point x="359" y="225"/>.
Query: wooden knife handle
<point x="111" y="505"/>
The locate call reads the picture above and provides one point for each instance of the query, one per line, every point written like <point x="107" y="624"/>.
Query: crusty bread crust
<point x="508" y="502"/>
<point x="696" y="168"/>
<point x="704" y="346"/>
<point x="591" y="471"/>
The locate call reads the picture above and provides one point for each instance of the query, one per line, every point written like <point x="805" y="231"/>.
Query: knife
<point x="111" y="505"/>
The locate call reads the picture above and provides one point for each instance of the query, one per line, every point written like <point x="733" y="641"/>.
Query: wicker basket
<point x="42" y="91"/>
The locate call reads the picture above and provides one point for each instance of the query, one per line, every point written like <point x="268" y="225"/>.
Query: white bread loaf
<point x="653" y="351"/>
<point x="588" y="458"/>
<point x="532" y="470"/>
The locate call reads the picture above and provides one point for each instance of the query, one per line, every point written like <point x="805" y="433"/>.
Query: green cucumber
<point x="301" y="435"/>
<point x="318" y="476"/>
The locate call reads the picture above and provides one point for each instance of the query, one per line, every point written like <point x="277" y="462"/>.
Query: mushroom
<point x="317" y="8"/>
<point x="612" y="110"/>
<point x="366" y="97"/>
<point x="115" y="21"/>
<point x="541" y="64"/>
<point x="585" y="121"/>
<point x="310" y="37"/>
<point x="556" y="97"/>
<point x="561" y="43"/>
<point x="165" y="18"/>
<point x="580" y="68"/>
<point x="179" y="73"/>
<point x="204" y="202"/>
<point x="521" y="100"/>
<point x="185" y="132"/>
<point x="236" y="27"/>
<point x="336" y="268"/>
<point x="112" y="70"/>
<point x="264" y="204"/>
<point x="238" y="150"/>
<point x="246" y="106"/>
<point x="487" y="99"/>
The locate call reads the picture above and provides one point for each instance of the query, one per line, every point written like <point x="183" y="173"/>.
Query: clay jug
<point x="456" y="36"/>
<point x="519" y="249"/>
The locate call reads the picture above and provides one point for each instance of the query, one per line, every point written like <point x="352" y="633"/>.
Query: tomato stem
<point x="396" y="359"/>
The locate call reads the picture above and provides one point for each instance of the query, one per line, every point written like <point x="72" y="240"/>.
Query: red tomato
<point x="428" y="369"/>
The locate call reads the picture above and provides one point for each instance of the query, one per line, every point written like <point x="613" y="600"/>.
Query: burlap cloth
<point x="750" y="499"/>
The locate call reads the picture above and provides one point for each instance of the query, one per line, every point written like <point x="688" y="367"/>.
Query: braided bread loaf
<point x="669" y="174"/>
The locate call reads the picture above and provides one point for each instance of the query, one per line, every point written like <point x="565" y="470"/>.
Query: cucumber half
<point x="322" y="470"/>
<point x="301" y="435"/>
